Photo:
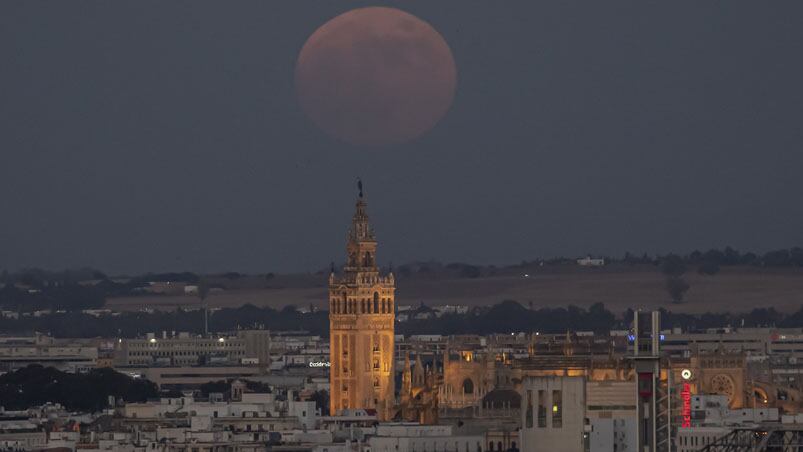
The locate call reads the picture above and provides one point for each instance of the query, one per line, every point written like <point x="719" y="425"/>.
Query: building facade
<point x="247" y="347"/>
<point x="361" y="325"/>
<point x="553" y="417"/>
<point x="68" y="355"/>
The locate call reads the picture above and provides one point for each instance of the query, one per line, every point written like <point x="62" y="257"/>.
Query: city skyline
<point x="394" y="227"/>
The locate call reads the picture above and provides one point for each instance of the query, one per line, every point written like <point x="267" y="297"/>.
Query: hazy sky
<point x="151" y="135"/>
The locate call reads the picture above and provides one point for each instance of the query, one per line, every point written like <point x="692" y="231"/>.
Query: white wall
<point x="568" y="436"/>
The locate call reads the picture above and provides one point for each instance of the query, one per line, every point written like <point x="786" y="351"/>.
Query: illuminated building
<point x="361" y="326"/>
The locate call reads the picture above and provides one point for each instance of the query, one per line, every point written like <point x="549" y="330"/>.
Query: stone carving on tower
<point x="361" y="325"/>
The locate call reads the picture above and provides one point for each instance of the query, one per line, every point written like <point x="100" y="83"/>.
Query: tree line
<point x="505" y="317"/>
<point x="36" y="385"/>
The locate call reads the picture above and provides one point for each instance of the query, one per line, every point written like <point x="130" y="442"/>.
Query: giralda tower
<point x="361" y="322"/>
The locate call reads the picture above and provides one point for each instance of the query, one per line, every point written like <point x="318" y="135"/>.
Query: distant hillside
<point x="717" y="280"/>
<point x="619" y="286"/>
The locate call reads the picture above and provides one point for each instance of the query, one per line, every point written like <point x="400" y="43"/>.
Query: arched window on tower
<point x="376" y="302"/>
<point x="468" y="386"/>
<point x="367" y="260"/>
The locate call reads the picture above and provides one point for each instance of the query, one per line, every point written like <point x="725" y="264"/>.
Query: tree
<point x="673" y="265"/>
<point x="35" y="385"/>
<point x="731" y="256"/>
<point x="470" y="271"/>
<point x="777" y="258"/>
<point x="714" y="255"/>
<point x="709" y="268"/>
<point x="796" y="256"/>
<point x="749" y="259"/>
<point x="220" y="386"/>
<point x="677" y="288"/>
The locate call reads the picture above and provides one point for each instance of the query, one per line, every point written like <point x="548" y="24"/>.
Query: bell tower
<point x="361" y="325"/>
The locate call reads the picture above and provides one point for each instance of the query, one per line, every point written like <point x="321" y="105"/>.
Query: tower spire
<point x="360" y="230"/>
<point x="361" y="243"/>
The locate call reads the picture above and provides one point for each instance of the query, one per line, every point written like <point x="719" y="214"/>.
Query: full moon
<point x="375" y="76"/>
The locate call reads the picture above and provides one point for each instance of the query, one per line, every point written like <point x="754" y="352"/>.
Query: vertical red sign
<point x="686" y="411"/>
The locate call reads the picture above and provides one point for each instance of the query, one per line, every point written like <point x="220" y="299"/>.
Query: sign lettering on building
<point x="685" y="412"/>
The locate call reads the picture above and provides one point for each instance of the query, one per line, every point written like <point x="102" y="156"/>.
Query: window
<point x="376" y="302"/>
<point x="468" y="386"/>
<point x="541" y="408"/>
<point x="557" y="409"/>
<point x="529" y="412"/>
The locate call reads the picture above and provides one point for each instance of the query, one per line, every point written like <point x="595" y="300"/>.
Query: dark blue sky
<point x="149" y="135"/>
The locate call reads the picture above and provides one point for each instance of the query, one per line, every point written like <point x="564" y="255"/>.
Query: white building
<point x="413" y="437"/>
<point x="611" y="415"/>
<point x="712" y="419"/>
<point x="68" y="355"/>
<point x="553" y="414"/>
<point x="588" y="261"/>
<point x="184" y="349"/>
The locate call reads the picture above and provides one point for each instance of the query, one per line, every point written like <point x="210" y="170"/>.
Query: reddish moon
<point x="375" y="76"/>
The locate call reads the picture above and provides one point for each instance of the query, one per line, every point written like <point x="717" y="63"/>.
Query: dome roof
<point x="502" y="397"/>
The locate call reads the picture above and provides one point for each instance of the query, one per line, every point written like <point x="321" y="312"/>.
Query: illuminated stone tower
<point x="361" y="322"/>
